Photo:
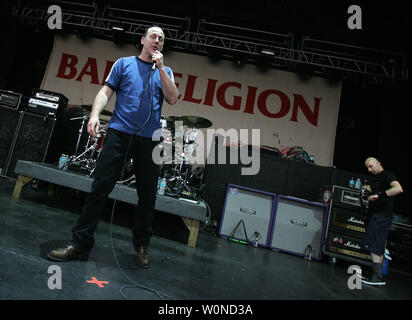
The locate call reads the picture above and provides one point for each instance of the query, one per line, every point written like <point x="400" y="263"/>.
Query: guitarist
<point x="379" y="216"/>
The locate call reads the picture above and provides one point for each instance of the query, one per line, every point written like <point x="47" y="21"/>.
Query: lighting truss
<point x="229" y="41"/>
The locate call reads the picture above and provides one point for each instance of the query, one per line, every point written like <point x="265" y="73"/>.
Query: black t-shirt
<point x="382" y="183"/>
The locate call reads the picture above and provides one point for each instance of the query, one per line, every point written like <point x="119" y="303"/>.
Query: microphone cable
<point x="133" y="283"/>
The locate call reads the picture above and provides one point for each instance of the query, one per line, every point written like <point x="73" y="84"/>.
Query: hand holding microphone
<point x="157" y="59"/>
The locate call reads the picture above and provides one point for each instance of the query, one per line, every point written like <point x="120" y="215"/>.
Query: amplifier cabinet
<point x="346" y="197"/>
<point x="46" y="102"/>
<point x="10" y="99"/>
<point x="247" y="215"/>
<point x="299" y="227"/>
<point x="32" y="140"/>
<point x="347" y="221"/>
<point x="346" y="247"/>
<point x="11" y="119"/>
<point x="346" y="227"/>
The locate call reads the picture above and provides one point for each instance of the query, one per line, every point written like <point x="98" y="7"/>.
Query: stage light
<point x="117" y="27"/>
<point x="267" y="52"/>
<point x="118" y="36"/>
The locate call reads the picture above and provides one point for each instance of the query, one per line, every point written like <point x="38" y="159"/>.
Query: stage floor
<point x="216" y="269"/>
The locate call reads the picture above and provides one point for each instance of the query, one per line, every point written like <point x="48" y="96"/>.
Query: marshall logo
<point x="354" y="220"/>
<point x="348" y="243"/>
<point x="352" y="245"/>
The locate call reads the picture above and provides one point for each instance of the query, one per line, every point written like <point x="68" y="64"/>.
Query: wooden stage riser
<point x="191" y="213"/>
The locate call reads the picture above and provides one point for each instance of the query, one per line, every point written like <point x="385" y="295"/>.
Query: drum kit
<point x="181" y="178"/>
<point x="86" y="160"/>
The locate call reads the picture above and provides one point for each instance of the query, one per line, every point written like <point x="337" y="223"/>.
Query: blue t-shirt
<point x="138" y="89"/>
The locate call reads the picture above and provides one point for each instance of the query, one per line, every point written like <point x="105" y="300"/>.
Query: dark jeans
<point x="108" y="170"/>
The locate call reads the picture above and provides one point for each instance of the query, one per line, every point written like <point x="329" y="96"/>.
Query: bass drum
<point x="196" y="177"/>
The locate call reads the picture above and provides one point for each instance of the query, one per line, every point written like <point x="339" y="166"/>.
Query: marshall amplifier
<point x="349" y="221"/>
<point x="346" y="197"/>
<point x="10" y="99"/>
<point x="346" y="247"/>
<point x="46" y="102"/>
<point x="346" y="226"/>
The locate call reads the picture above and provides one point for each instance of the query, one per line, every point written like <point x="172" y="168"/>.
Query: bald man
<point x="379" y="216"/>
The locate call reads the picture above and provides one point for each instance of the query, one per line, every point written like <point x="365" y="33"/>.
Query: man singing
<point x="141" y="84"/>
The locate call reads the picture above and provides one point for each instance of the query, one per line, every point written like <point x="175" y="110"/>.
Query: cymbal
<point x="196" y="122"/>
<point x="173" y="118"/>
<point x="88" y="107"/>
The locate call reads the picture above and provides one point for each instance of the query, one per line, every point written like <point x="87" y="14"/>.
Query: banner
<point x="287" y="110"/>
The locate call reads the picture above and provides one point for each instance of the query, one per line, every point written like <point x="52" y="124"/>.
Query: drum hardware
<point x="87" y="160"/>
<point x="178" y="183"/>
<point x="80" y="131"/>
<point x="177" y="170"/>
<point x="180" y="178"/>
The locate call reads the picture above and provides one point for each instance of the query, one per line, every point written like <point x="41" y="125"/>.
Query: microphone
<point x="154" y="65"/>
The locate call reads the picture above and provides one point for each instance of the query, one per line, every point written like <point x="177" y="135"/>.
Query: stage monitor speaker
<point x="247" y="215"/>
<point x="32" y="140"/>
<point x="10" y="121"/>
<point x="299" y="227"/>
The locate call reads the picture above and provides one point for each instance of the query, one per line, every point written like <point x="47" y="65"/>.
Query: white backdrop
<point x="287" y="110"/>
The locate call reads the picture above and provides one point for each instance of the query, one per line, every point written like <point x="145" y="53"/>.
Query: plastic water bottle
<point x="63" y="162"/>
<point x="351" y="183"/>
<point x="386" y="259"/>
<point x="358" y="184"/>
<point x="162" y="186"/>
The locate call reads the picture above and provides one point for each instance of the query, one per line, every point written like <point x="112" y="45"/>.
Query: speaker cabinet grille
<point x="10" y="120"/>
<point x="32" y="141"/>
<point x="247" y="215"/>
<point x="299" y="227"/>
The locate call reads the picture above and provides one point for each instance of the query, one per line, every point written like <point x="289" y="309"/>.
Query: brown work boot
<point x="143" y="256"/>
<point x="67" y="253"/>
